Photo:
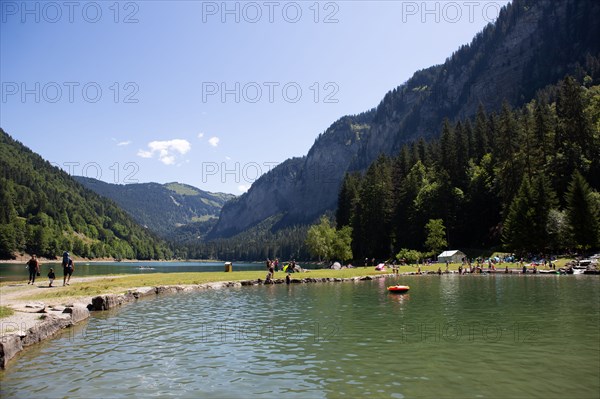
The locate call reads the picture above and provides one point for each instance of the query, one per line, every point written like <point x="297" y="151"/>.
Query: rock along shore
<point x="48" y="321"/>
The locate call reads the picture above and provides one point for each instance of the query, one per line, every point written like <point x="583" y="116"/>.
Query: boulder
<point x="111" y="301"/>
<point x="78" y="313"/>
<point x="143" y="292"/>
<point x="216" y="286"/>
<point x="50" y="326"/>
<point x="163" y="289"/>
<point x="10" y="345"/>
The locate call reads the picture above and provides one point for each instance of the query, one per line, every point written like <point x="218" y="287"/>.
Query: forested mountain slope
<point x="533" y="44"/>
<point x="161" y="207"/>
<point x="45" y="211"/>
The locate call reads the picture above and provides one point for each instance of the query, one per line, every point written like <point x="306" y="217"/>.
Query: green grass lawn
<point x="121" y="284"/>
<point x="5" y="312"/>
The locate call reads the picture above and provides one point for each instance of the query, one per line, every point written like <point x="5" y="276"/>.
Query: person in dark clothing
<point x="68" y="271"/>
<point x="34" y="268"/>
<point x="51" y="277"/>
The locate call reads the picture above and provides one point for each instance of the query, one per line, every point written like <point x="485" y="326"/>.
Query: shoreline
<point x="35" y="321"/>
<point x="23" y="259"/>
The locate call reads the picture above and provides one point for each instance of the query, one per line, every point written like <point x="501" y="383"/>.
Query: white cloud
<point x="167" y="159"/>
<point x="167" y="150"/>
<point x="243" y="188"/>
<point x="144" y="154"/>
<point x="228" y="158"/>
<point x="124" y="143"/>
<point x="200" y="135"/>
<point x="214" y="141"/>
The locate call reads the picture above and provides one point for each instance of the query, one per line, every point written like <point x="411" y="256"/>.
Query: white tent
<point x="454" y="256"/>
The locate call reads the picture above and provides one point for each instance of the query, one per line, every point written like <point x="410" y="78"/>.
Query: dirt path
<point x="28" y="312"/>
<point x="12" y="294"/>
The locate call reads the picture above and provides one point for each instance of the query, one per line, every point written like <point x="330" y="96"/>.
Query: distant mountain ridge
<point x="162" y="208"/>
<point x="533" y="44"/>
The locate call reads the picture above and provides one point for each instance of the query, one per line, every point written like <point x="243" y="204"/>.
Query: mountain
<point x="532" y="44"/>
<point x="162" y="207"/>
<point x="45" y="211"/>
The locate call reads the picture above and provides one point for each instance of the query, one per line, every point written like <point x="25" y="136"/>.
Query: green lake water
<point x="449" y="337"/>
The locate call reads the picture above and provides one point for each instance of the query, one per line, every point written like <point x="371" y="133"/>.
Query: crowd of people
<point x="469" y="265"/>
<point x="273" y="266"/>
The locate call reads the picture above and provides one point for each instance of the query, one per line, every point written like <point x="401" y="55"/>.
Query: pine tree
<point x="461" y="152"/>
<point x="582" y="213"/>
<point x="480" y="133"/>
<point x="573" y="138"/>
<point x="376" y="209"/>
<point x="544" y="201"/>
<point x="347" y="199"/>
<point x="519" y="227"/>
<point x="507" y="155"/>
<point x="448" y="156"/>
<point x="543" y="131"/>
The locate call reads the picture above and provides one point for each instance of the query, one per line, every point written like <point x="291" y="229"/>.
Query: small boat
<point x="399" y="289"/>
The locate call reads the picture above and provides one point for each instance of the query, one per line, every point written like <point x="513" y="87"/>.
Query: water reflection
<point x="443" y="339"/>
<point x="400" y="299"/>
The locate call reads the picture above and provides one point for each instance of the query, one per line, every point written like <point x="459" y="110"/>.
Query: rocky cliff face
<point x="532" y="44"/>
<point x="300" y="189"/>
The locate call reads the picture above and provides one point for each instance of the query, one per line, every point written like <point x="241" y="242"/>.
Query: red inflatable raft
<point x="400" y="289"/>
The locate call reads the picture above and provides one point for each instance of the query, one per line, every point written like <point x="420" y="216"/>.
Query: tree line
<point x="522" y="179"/>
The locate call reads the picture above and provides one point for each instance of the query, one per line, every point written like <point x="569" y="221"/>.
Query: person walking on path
<point x="51" y="277"/>
<point x="34" y="268"/>
<point x="68" y="268"/>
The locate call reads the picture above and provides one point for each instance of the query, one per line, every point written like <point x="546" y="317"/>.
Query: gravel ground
<point x="28" y="313"/>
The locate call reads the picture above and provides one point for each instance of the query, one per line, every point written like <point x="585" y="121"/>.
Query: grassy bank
<point x="120" y="284"/>
<point x="5" y="311"/>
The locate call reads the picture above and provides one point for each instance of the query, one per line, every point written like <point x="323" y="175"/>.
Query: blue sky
<point x="210" y="94"/>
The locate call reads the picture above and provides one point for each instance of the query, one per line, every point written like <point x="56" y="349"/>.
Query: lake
<point x="17" y="271"/>
<point x="475" y="336"/>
